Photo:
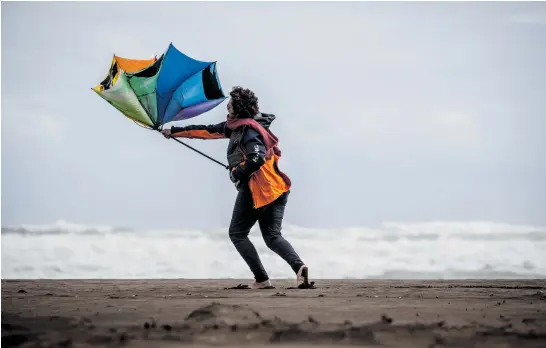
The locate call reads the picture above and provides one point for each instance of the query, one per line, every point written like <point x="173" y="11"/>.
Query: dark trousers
<point x="270" y="219"/>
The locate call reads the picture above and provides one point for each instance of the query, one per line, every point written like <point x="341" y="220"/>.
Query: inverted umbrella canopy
<point x="156" y="91"/>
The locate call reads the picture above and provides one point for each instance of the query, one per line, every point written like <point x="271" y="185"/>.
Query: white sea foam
<point x="392" y="250"/>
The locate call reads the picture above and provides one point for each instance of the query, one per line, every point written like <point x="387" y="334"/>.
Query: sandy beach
<point x="370" y="313"/>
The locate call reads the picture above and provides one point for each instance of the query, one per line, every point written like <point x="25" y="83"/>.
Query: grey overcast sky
<point x="385" y="111"/>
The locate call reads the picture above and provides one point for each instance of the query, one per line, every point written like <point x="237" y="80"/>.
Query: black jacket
<point x="251" y="143"/>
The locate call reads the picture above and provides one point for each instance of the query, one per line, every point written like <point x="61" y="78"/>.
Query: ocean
<point x="435" y="250"/>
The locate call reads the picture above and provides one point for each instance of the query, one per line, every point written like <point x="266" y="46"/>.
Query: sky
<point x="406" y="112"/>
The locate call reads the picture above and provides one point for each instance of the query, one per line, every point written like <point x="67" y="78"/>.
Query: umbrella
<point x="155" y="91"/>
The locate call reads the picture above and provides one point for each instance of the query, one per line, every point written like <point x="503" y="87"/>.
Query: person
<point x="263" y="189"/>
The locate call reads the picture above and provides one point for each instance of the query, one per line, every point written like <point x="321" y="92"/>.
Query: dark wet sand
<point x="172" y="313"/>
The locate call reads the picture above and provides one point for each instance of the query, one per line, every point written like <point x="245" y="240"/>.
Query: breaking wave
<point x="435" y="250"/>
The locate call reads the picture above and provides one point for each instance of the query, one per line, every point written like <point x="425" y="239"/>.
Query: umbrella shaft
<point x="199" y="152"/>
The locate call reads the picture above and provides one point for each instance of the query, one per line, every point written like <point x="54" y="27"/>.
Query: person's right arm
<point x="213" y="131"/>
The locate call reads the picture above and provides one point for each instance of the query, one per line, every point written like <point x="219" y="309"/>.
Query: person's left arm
<point x="254" y="150"/>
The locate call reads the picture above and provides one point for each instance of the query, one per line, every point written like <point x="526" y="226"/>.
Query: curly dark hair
<point x="244" y="102"/>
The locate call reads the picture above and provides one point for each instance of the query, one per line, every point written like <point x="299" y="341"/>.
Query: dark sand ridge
<point x="170" y="313"/>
